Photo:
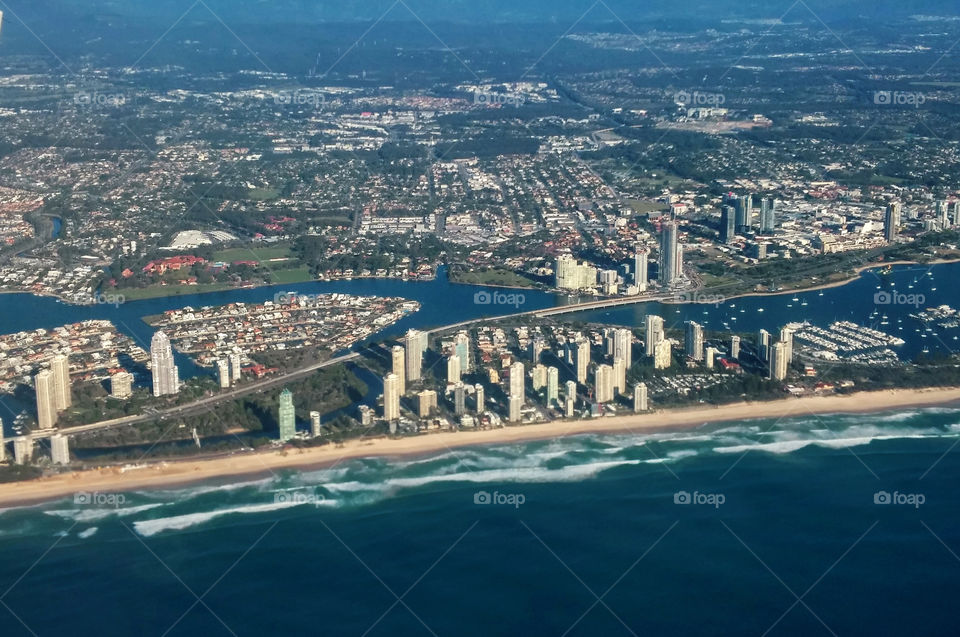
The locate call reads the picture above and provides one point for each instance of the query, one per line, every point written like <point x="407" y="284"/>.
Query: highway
<point x="204" y="403"/>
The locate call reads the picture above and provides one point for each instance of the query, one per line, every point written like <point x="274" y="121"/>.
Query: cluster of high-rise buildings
<point x="52" y="387"/>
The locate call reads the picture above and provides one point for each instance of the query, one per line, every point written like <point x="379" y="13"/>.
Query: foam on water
<point x="147" y="528"/>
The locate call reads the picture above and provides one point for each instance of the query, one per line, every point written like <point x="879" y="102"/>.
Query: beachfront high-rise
<point x="653" y="332"/>
<point x="620" y="375"/>
<point x="287" y="417"/>
<point x="43" y="384"/>
<point x="623" y="345"/>
<point x="581" y="359"/>
<point x="479" y="397"/>
<point x="166" y="378"/>
<point x="453" y="369"/>
<point x="639" y="397"/>
<point x="734" y="347"/>
<point x="778" y="361"/>
<point x="640" y="269"/>
<point x="517" y="382"/>
<point x="670" y="266"/>
<point x="414" y="345"/>
<point x="60" y="366"/>
<point x="426" y="403"/>
<point x="59" y="449"/>
<point x="693" y="343"/>
<point x="399" y="366"/>
<point x="553" y="385"/>
<point x="603" y="383"/>
<point x="315" y="429"/>
<point x="391" y="397"/>
<point x="786" y="336"/>
<point x="763" y="345"/>
<point x="459" y="399"/>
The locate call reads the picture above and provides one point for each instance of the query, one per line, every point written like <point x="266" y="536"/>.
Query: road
<point x="204" y="403"/>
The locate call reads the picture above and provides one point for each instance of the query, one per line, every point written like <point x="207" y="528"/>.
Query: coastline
<point x="180" y="472"/>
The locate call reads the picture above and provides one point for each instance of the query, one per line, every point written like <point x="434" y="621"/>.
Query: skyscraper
<point x="693" y="343"/>
<point x="121" y="385"/>
<point x="515" y="404"/>
<point x="734" y="347"/>
<point x="639" y="397"/>
<point x="640" y="268"/>
<point x="744" y="213"/>
<point x="60" y="366"/>
<point x="414" y="344"/>
<point x="391" y="397"/>
<point x="479" y="397"/>
<point x="763" y="344"/>
<point x="537" y="345"/>
<point x="778" y="361"/>
<point x="399" y="366"/>
<point x="223" y="373"/>
<point x="653" y="328"/>
<point x="287" y="416"/>
<point x="453" y="369"/>
<point x="662" y="355"/>
<point x="581" y="359"/>
<point x="891" y="221"/>
<point x="710" y="357"/>
<point x="426" y="403"/>
<point x="517" y="382"/>
<point x="43" y="384"/>
<point x="166" y="378"/>
<point x="459" y="399"/>
<point x="728" y="226"/>
<point x="553" y="385"/>
<point x="59" y="449"/>
<point x="236" y="366"/>
<point x="942" y="217"/>
<point x="623" y="345"/>
<point x="574" y="275"/>
<point x="603" y="383"/>
<point x="461" y="347"/>
<point x="767" y="215"/>
<point x="620" y="375"/>
<point x="786" y="336"/>
<point x="539" y="376"/>
<point x="315" y="429"/>
<point x="669" y="254"/>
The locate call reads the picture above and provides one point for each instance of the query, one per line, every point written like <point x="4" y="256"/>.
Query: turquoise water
<point x="785" y="508"/>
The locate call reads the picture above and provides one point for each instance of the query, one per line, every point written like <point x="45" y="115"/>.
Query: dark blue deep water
<point x="330" y="551"/>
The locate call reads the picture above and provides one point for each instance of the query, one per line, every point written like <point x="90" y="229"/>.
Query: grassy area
<point x="264" y="253"/>
<point x="490" y="276"/>
<point x="642" y="206"/>
<point x="292" y="275"/>
<point x="263" y="194"/>
<point x="157" y="291"/>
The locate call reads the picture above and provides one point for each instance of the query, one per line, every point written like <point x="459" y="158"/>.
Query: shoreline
<point x="858" y="271"/>
<point x="161" y="475"/>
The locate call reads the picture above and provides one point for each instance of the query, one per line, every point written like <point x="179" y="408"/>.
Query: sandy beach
<point x="178" y="472"/>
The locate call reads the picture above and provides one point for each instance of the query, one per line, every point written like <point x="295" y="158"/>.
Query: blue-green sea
<point x="817" y="525"/>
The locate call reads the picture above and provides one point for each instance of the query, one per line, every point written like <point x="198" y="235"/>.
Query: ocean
<point x="842" y="524"/>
